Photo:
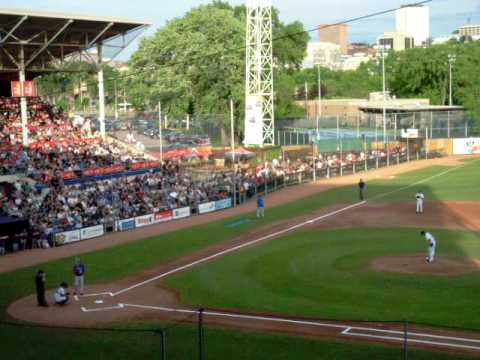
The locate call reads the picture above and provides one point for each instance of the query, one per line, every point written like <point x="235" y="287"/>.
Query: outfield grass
<point x="325" y="274"/>
<point x="119" y="262"/>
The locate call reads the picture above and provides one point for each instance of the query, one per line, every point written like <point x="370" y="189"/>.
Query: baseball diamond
<point x="224" y="182"/>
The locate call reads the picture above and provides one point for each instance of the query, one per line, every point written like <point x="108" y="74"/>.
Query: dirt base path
<point x="461" y="215"/>
<point x="38" y="256"/>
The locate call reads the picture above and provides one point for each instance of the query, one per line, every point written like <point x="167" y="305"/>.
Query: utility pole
<point x="116" y="98"/>
<point x="319" y="100"/>
<point x="160" y="131"/>
<point x="451" y="59"/>
<point x="306" y="100"/>
<point x="232" y="145"/>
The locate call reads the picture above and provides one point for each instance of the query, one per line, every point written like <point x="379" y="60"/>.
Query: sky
<point x="446" y="15"/>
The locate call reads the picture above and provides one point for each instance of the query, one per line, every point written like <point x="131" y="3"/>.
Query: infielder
<point x="431" y="246"/>
<point x="419" y="197"/>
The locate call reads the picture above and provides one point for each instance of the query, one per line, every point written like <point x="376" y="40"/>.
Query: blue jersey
<point x="79" y="269"/>
<point x="260" y="202"/>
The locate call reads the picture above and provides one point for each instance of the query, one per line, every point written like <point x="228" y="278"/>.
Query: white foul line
<point x="280" y="232"/>
<point x="427" y="342"/>
<point x="422" y="181"/>
<point x="347" y="330"/>
<point x="238" y="247"/>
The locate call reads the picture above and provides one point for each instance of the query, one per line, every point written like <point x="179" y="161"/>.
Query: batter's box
<point x="414" y="337"/>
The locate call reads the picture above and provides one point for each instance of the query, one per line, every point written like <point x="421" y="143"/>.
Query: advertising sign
<point x="145" y="220"/>
<point x="127" y="224"/>
<point x="206" y="208"/>
<point x="466" y="146"/>
<point x="223" y="204"/>
<point x="181" y="213"/>
<point x="409" y="133"/>
<point x="91" y="232"/>
<point x="67" y="237"/>
<point x="163" y="216"/>
<point x="28" y="89"/>
<point x="253" y="121"/>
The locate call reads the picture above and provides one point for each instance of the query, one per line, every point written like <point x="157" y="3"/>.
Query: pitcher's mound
<point x="416" y="264"/>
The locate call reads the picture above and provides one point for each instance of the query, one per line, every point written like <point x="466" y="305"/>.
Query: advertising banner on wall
<point x="163" y="216"/>
<point x="223" y="204"/>
<point x="409" y="133"/>
<point x="127" y="224"/>
<point x="145" y="220"/>
<point x="28" y="88"/>
<point x="466" y="146"/>
<point x="91" y="232"/>
<point x="206" y="208"/>
<point x="67" y="237"/>
<point x="253" y="121"/>
<point x="181" y="213"/>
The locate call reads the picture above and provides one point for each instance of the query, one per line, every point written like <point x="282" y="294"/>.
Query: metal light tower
<point x="259" y="115"/>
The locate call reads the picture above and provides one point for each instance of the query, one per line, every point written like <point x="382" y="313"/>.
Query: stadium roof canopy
<point x="410" y="108"/>
<point x="39" y="40"/>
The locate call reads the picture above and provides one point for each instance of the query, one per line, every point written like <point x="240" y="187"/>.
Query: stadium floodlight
<point x="451" y="59"/>
<point x="259" y="106"/>
<point x="384" y="89"/>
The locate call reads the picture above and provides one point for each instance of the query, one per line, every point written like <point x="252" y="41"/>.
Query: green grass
<point x="115" y="263"/>
<point x="457" y="185"/>
<point x="182" y="343"/>
<point x="325" y="274"/>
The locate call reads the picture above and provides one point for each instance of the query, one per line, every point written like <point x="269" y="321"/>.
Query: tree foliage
<point x="197" y="63"/>
<point x="413" y="73"/>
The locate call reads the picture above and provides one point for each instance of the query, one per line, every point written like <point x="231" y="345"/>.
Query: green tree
<point x="197" y="63"/>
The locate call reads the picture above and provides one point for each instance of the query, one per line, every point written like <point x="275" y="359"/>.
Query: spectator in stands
<point x="40" y="288"/>
<point x="61" y="295"/>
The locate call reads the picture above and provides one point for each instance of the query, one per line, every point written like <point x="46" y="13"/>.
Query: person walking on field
<point x="79" y="273"/>
<point x="431" y="245"/>
<point x="260" y="206"/>
<point x="361" y="188"/>
<point x="40" y="287"/>
<point x="419" y="198"/>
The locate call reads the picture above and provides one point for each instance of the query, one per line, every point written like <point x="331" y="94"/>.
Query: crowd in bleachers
<point x="58" y="146"/>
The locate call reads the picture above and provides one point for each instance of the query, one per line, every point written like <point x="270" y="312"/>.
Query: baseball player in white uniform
<point x="419" y="197"/>
<point x="431" y="245"/>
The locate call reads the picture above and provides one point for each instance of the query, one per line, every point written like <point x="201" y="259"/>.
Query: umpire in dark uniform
<point x="361" y="188"/>
<point x="40" y="287"/>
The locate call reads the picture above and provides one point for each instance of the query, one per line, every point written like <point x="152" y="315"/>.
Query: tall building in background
<point x="414" y="21"/>
<point x="396" y="41"/>
<point x="334" y="34"/>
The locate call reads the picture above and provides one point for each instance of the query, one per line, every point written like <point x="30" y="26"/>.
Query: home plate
<point x="99" y="301"/>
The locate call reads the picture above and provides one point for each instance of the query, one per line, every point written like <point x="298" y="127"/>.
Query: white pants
<point x="260" y="212"/>
<point x="431" y="253"/>
<point x="79" y="284"/>
<point x="419" y="206"/>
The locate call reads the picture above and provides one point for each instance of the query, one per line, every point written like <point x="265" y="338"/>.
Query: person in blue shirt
<point x="79" y="273"/>
<point x="260" y="206"/>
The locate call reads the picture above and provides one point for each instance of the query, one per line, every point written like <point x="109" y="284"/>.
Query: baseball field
<point x="322" y="276"/>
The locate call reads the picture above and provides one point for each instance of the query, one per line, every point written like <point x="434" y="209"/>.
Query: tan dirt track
<point x="454" y="215"/>
<point x="443" y="265"/>
<point x="38" y="256"/>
